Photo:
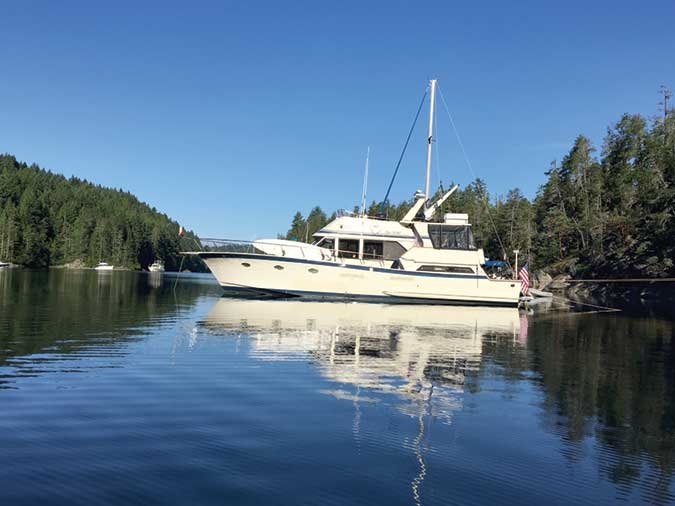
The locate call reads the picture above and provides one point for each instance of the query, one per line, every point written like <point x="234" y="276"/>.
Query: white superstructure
<point x="415" y="260"/>
<point x="104" y="266"/>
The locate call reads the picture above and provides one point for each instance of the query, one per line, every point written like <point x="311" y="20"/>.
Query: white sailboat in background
<point x="415" y="260"/>
<point x="102" y="266"/>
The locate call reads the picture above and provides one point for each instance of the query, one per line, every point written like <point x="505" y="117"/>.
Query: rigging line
<point x="473" y="174"/>
<point x="405" y="146"/>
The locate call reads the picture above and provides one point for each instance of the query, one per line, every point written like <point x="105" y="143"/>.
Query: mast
<point x="432" y="98"/>
<point x="365" y="185"/>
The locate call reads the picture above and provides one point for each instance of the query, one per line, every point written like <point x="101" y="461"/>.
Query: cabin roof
<point x="357" y="225"/>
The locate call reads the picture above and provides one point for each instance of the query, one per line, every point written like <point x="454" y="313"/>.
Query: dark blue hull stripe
<point x="269" y="258"/>
<point x="389" y="299"/>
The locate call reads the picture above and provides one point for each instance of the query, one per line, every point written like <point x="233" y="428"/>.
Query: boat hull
<point x="268" y="275"/>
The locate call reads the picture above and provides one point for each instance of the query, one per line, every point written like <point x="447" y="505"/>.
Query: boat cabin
<point x="417" y="245"/>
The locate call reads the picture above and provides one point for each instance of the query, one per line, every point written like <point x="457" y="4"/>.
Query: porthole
<point x="279" y="267"/>
<point x="445" y="268"/>
<point x="313" y="270"/>
<point x="246" y="264"/>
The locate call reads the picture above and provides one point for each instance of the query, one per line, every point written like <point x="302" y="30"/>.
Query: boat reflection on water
<point x="154" y="279"/>
<point x="420" y="355"/>
<point x="395" y="349"/>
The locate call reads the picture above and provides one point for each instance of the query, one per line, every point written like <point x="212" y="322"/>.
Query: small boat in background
<point x="3" y="264"/>
<point x="157" y="266"/>
<point x="103" y="266"/>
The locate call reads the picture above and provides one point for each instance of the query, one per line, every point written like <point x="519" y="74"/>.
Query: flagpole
<point x="516" y="251"/>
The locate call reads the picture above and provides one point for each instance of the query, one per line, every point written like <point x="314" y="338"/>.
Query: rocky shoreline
<point x="627" y="291"/>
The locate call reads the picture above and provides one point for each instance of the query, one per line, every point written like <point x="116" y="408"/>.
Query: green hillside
<point x="47" y="220"/>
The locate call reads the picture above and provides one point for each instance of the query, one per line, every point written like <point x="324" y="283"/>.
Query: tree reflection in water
<point x="607" y="379"/>
<point x="63" y="313"/>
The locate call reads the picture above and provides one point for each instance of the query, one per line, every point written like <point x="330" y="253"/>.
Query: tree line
<point x="599" y="214"/>
<point x="47" y="219"/>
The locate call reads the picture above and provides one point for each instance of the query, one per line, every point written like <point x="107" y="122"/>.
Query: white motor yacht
<point x="419" y="259"/>
<point x="103" y="266"/>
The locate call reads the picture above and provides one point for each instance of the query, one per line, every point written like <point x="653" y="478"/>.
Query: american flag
<point x="524" y="278"/>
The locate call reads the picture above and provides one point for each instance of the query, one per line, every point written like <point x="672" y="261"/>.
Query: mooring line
<point x="603" y="309"/>
<point x="180" y="268"/>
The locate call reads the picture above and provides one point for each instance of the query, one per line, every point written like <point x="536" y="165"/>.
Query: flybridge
<point x="456" y="219"/>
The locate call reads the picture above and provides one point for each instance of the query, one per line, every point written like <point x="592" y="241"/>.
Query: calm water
<point x="119" y="388"/>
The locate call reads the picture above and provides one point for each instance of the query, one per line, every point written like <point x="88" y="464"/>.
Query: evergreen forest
<point x="48" y="220"/>
<point x="602" y="213"/>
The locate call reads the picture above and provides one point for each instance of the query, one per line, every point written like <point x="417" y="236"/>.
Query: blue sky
<point x="230" y="116"/>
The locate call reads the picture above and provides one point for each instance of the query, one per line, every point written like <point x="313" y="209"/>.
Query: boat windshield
<point x="326" y="242"/>
<point x="451" y="236"/>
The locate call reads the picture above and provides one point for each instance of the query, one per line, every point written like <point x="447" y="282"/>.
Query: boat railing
<point x="346" y="212"/>
<point x="241" y="246"/>
<point x="301" y="250"/>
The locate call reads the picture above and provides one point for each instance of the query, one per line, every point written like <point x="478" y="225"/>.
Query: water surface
<point x="150" y="389"/>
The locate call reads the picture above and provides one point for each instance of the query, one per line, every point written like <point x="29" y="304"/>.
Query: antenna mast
<point x="365" y="185"/>
<point x="667" y="95"/>
<point x="432" y="98"/>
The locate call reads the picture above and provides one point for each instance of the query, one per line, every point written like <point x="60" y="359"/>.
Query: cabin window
<point x="389" y="250"/>
<point x="279" y="267"/>
<point x="327" y="242"/>
<point x="349" y="248"/>
<point x="246" y="264"/>
<point x="393" y="250"/>
<point x="313" y="270"/>
<point x="446" y="268"/>
<point x="373" y="249"/>
<point x="451" y="236"/>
